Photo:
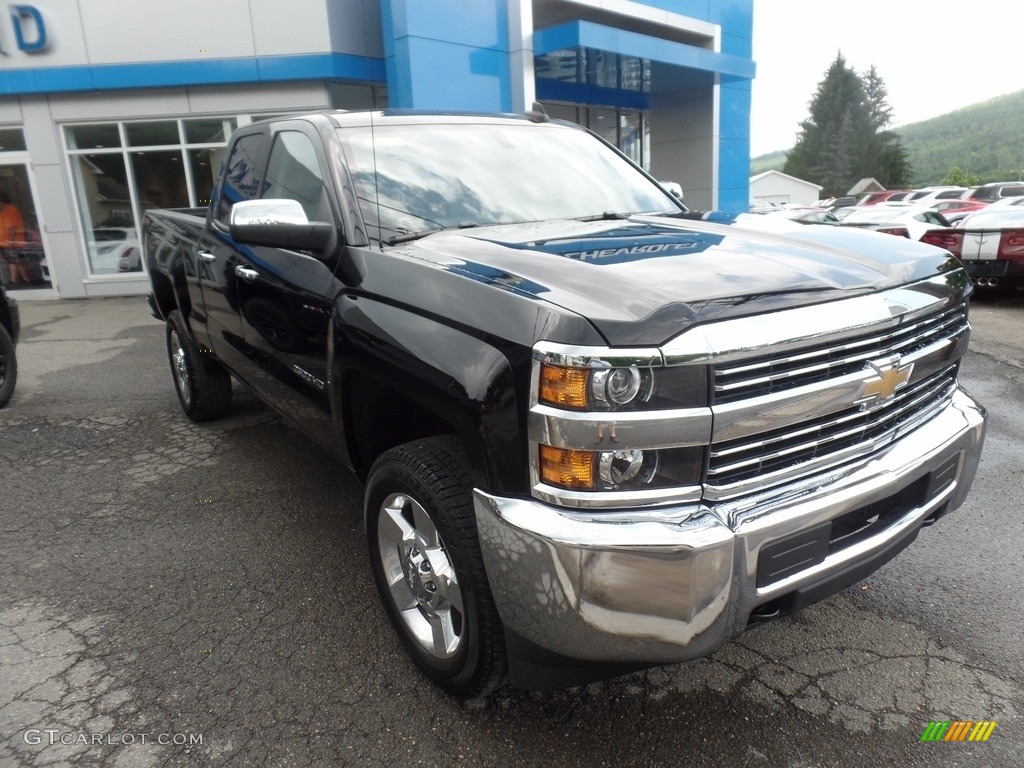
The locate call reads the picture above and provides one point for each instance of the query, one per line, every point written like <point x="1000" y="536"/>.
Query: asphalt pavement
<point x="177" y="594"/>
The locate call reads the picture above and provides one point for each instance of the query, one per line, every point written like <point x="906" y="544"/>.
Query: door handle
<point x="209" y="258"/>
<point x="246" y="274"/>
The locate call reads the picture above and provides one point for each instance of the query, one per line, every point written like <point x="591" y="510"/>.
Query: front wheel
<point x="8" y="367"/>
<point x="427" y="564"/>
<point x="203" y="386"/>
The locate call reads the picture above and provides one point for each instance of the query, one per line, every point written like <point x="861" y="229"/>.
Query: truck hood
<point x="646" y="279"/>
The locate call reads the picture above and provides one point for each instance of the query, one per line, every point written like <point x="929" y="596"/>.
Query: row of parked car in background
<point x="983" y="226"/>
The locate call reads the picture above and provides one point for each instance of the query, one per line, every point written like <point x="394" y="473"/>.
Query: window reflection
<point x="486" y="174"/>
<point x="293" y="173"/>
<point x="159" y="179"/>
<point x="204" y="164"/>
<point x="101" y="184"/>
<point x="160" y="164"/>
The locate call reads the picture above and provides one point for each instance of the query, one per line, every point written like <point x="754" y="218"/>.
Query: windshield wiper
<point x="606" y="216"/>
<point x="410" y="236"/>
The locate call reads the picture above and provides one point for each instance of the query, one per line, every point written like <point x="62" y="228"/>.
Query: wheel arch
<point x="423" y="378"/>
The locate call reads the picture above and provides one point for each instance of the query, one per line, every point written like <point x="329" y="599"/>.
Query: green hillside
<point x="773" y="161"/>
<point x="984" y="139"/>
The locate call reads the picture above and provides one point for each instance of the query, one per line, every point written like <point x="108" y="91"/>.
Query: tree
<point x="846" y="137"/>
<point x="958" y="177"/>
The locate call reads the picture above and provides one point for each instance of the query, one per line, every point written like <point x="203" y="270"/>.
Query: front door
<point x="23" y="262"/>
<point x="285" y="296"/>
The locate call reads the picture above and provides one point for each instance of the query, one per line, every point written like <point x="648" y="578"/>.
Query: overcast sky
<point x="935" y="56"/>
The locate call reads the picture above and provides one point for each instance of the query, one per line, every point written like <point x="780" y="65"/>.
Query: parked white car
<point x="928" y="195"/>
<point x="897" y="219"/>
<point x="114" y="249"/>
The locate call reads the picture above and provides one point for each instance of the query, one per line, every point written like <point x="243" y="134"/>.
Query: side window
<point x="240" y="177"/>
<point x="293" y="173"/>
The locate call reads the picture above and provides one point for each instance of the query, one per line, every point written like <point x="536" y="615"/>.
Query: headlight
<point x="616" y="387"/>
<point x="610" y="428"/>
<point x="600" y="386"/>
<point x="619" y="469"/>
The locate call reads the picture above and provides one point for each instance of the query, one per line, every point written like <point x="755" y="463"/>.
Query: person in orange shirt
<point x="12" y="237"/>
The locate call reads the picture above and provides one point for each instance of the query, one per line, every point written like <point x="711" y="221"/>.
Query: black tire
<point x="8" y="367"/>
<point x="427" y="484"/>
<point x="203" y="386"/>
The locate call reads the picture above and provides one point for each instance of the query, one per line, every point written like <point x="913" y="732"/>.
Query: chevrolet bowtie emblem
<point x="887" y="376"/>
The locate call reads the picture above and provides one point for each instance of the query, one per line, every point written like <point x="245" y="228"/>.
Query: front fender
<point x="464" y="381"/>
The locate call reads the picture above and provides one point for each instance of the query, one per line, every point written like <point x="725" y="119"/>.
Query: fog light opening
<point x="622" y="467"/>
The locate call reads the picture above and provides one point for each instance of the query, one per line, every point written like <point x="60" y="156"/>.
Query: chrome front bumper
<point x="676" y="583"/>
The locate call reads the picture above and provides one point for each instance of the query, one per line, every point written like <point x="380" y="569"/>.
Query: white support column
<point x="520" y="54"/>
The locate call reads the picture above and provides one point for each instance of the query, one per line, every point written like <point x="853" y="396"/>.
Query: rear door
<point x="217" y="254"/>
<point x="285" y="296"/>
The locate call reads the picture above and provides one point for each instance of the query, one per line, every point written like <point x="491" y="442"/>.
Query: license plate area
<point x="791" y="555"/>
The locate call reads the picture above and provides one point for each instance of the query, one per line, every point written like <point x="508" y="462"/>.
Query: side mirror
<point x="673" y="188"/>
<point x="278" y="224"/>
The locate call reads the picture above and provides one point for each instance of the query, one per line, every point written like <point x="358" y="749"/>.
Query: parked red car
<point x="958" y="210"/>
<point x="873" y="198"/>
<point x="990" y="243"/>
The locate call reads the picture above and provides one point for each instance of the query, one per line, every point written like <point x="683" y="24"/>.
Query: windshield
<point x="446" y="176"/>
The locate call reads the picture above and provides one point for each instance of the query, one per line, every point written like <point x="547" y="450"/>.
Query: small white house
<point x="778" y="188"/>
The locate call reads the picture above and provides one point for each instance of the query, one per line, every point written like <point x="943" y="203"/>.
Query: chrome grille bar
<point x="771" y="375"/>
<point x="738" y="466"/>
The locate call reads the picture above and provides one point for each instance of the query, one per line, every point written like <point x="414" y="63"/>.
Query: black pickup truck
<point x="597" y="431"/>
<point x="10" y="327"/>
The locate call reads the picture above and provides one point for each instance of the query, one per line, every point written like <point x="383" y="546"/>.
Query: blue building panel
<point x="475" y="24"/>
<point x="458" y="78"/>
<point x="163" y="74"/>
<point x="734" y="112"/>
<point x="734" y="175"/>
<point x="448" y="54"/>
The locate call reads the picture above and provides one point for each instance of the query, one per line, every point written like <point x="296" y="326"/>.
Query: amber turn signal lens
<point x="567" y="469"/>
<point x="564" y="387"/>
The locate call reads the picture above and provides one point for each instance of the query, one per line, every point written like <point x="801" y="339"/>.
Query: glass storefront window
<point x="170" y="163"/>
<point x="604" y="122"/>
<point x="12" y="140"/>
<point x="630" y="138"/>
<point x="204" y="164"/>
<point x="93" y="136"/>
<point x="23" y="262"/>
<point x="208" y="130"/>
<point x="101" y="186"/>
<point x="159" y="179"/>
<point x="152" y="133"/>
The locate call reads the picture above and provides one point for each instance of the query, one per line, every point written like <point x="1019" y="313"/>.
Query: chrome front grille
<point x="826" y="442"/>
<point x="804" y="411"/>
<point x="768" y="375"/>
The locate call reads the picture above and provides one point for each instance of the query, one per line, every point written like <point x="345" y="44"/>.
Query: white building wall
<point x="781" y="189"/>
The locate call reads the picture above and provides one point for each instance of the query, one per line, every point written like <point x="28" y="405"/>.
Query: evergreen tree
<point x="846" y="136"/>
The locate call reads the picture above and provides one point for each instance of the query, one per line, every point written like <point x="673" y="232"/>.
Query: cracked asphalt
<point x="199" y="595"/>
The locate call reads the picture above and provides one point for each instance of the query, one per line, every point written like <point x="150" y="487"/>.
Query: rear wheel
<point x="203" y="386"/>
<point x="427" y="564"/>
<point x="8" y="367"/>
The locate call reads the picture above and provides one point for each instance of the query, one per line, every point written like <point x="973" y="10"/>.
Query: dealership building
<point x="111" y="107"/>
